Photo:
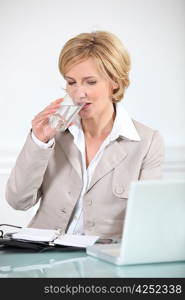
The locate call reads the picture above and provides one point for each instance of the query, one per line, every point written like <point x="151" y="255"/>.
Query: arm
<point x="153" y="161"/>
<point x="23" y="188"/>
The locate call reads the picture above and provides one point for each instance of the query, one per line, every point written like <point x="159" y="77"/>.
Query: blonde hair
<point x="109" y="53"/>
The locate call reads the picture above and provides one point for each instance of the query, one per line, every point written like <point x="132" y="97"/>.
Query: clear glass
<point x="65" y="114"/>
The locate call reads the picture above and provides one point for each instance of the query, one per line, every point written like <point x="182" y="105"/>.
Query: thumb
<point x="72" y="123"/>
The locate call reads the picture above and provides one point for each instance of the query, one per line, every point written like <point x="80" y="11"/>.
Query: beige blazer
<point x="54" y="176"/>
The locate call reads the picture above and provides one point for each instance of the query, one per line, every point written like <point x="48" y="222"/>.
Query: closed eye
<point x="71" y="83"/>
<point x="91" y="82"/>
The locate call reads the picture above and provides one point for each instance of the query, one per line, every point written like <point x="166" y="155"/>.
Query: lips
<point x="86" y="105"/>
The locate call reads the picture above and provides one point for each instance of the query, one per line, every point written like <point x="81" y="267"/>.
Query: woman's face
<point x="86" y="85"/>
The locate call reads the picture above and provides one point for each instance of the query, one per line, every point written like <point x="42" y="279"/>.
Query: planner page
<point x="82" y="241"/>
<point x="34" y="234"/>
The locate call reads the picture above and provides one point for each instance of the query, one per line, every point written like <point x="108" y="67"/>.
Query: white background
<point x="32" y="33"/>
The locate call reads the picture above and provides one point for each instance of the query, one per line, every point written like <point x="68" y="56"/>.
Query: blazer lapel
<point x="112" y="156"/>
<point x="72" y="153"/>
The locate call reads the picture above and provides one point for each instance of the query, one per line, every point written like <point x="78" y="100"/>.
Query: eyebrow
<point x="84" y="78"/>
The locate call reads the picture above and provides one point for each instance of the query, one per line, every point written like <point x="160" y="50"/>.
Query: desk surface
<point x="77" y="264"/>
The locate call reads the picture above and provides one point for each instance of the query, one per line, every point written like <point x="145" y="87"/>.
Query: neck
<point x="99" y="126"/>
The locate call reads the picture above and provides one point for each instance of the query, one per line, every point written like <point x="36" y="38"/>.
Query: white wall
<point x="32" y="33"/>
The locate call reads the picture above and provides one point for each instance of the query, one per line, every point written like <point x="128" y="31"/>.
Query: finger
<point x="54" y="104"/>
<point x="72" y="123"/>
<point x="45" y="113"/>
<point x="57" y="101"/>
<point x="51" y="106"/>
<point x="48" y="110"/>
<point x="40" y="124"/>
<point x="37" y="121"/>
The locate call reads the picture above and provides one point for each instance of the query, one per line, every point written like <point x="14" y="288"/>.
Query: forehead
<point x="85" y="68"/>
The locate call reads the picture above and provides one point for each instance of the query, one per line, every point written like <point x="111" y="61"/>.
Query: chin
<point x="85" y="114"/>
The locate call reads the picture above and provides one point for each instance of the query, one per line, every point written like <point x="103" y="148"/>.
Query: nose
<point x="79" y="93"/>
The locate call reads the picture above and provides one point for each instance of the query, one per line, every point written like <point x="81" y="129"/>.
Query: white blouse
<point x="123" y="126"/>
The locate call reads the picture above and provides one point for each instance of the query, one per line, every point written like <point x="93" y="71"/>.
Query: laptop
<point x="154" y="226"/>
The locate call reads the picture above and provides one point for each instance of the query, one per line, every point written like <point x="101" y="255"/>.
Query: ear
<point x="115" y="85"/>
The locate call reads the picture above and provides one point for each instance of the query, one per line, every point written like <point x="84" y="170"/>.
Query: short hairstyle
<point x="112" y="58"/>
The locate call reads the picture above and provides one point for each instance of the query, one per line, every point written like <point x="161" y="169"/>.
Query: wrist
<point x="43" y="139"/>
<point x="43" y="143"/>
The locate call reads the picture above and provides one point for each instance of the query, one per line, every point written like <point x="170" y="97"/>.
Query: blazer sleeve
<point x="23" y="188"/>
<point x="152" y="166"/>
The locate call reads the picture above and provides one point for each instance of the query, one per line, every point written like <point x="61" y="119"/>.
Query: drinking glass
<point x="65" y="114"/>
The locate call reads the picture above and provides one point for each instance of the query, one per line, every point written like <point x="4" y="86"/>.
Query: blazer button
<point x="63" y="211"/>
<point x="119" y="190"/>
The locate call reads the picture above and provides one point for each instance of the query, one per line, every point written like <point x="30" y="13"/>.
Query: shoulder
<point x="148" y="135"/>
<point x="142" y="129"/>
<point x="146" y="132"/>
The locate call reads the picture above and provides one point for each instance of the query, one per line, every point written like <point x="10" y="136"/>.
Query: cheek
<point x="96" y="96"/>
<point x="99" y="93"/>
<point x="102" y="96"/>
<point x="93" y="95"/>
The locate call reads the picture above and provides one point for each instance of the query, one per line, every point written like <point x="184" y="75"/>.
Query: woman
<point x="82" y="176"/>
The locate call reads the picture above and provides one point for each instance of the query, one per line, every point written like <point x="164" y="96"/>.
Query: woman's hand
<point x="40" y="124"/>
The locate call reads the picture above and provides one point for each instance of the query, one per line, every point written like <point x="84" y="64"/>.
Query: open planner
<point x="39" y="239"/>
